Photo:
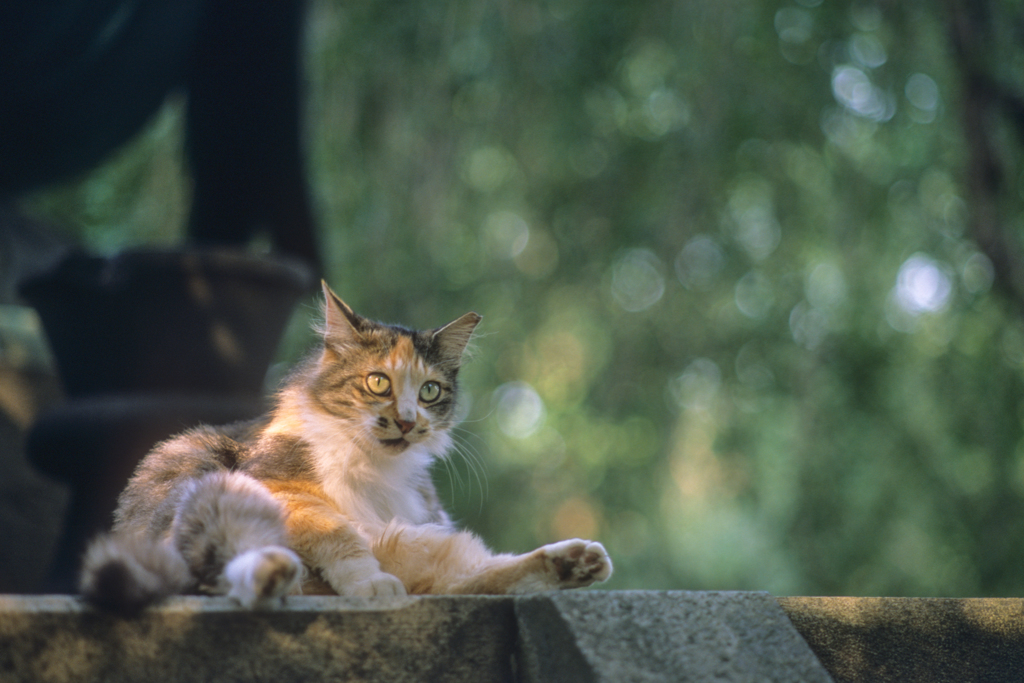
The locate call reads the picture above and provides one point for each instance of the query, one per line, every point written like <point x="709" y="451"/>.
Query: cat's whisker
<point x="474" y="464"/>
<point x="453" y="473"/>
<point x="478" y="419"/>
<point x="466" y="450"/>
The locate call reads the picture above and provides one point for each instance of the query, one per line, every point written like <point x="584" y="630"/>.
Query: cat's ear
<point x="341" y="324"/>
<point x="452" y="339"/>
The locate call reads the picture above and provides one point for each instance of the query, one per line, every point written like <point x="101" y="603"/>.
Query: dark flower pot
<point x="173" y="321"/>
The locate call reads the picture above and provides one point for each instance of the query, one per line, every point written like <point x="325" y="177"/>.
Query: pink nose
<point x="406" y="427"/>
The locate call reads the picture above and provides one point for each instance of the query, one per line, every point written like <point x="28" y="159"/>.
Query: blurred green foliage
<point x="733" y="325"/>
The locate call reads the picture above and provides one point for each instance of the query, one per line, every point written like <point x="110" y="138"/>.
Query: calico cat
<point x="330" y="492"/>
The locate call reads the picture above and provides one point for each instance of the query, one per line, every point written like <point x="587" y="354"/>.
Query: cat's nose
<point x="406" y="427"/>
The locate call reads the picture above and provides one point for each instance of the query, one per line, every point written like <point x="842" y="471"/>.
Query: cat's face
<point x="396" y="387"/>
<point x="406" y="399"/>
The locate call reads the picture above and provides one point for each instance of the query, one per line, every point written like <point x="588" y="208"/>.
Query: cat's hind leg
<point x="231" y="533"/>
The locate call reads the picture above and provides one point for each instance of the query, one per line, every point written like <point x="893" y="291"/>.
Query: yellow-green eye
<point x="430" y="391"/>
<point x="378" y="384"/>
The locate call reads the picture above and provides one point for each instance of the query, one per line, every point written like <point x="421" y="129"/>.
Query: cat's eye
<point x="378" y="384"/>
<point x="430" y="391"/>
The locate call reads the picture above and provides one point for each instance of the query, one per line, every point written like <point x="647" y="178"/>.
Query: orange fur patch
<point x="403" y="353"/>
<point x="316" y="530"/>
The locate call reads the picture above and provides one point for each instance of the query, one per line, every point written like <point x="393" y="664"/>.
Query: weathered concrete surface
<point x="660" y="636"/>
<point x="615" y="636"/>
<point x="56" y="639"/>
<point x="911" y="640"/>
<point x="570" y="636"/>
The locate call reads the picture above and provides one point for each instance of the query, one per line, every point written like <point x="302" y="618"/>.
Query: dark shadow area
<point x="907" y="640"/>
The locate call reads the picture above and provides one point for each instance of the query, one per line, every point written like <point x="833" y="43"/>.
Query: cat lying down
<point x="330" y="492"/>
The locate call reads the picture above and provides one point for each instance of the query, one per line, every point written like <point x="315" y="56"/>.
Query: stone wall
<point x="607" y="636"/>
<point x="564" y="637"/>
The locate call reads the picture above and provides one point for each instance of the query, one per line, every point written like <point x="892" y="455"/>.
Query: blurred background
<point x="748" y="271"/>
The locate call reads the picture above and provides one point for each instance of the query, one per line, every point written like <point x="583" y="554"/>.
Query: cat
<point x="329" y="492"/>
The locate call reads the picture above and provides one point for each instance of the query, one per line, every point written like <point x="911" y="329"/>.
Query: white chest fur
<point x="368" y="483"/>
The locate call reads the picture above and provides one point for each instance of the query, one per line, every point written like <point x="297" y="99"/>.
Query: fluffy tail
<point x="125" y="574"/>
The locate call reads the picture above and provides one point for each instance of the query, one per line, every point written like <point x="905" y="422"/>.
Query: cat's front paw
<point x="576" y="563"/>
<point x="362" y="577"/>
<point x="377" y="584"/>
<point x="263" y="576"/>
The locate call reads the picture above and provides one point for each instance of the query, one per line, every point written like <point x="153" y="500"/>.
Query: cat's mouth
<point x="399" y="444"/>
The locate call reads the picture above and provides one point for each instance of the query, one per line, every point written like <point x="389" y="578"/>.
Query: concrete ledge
<point x="571" y="636"/>
<point x="660" y="636"/>
<point x="55" y="638"/>
<point x="912" y="640"/>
